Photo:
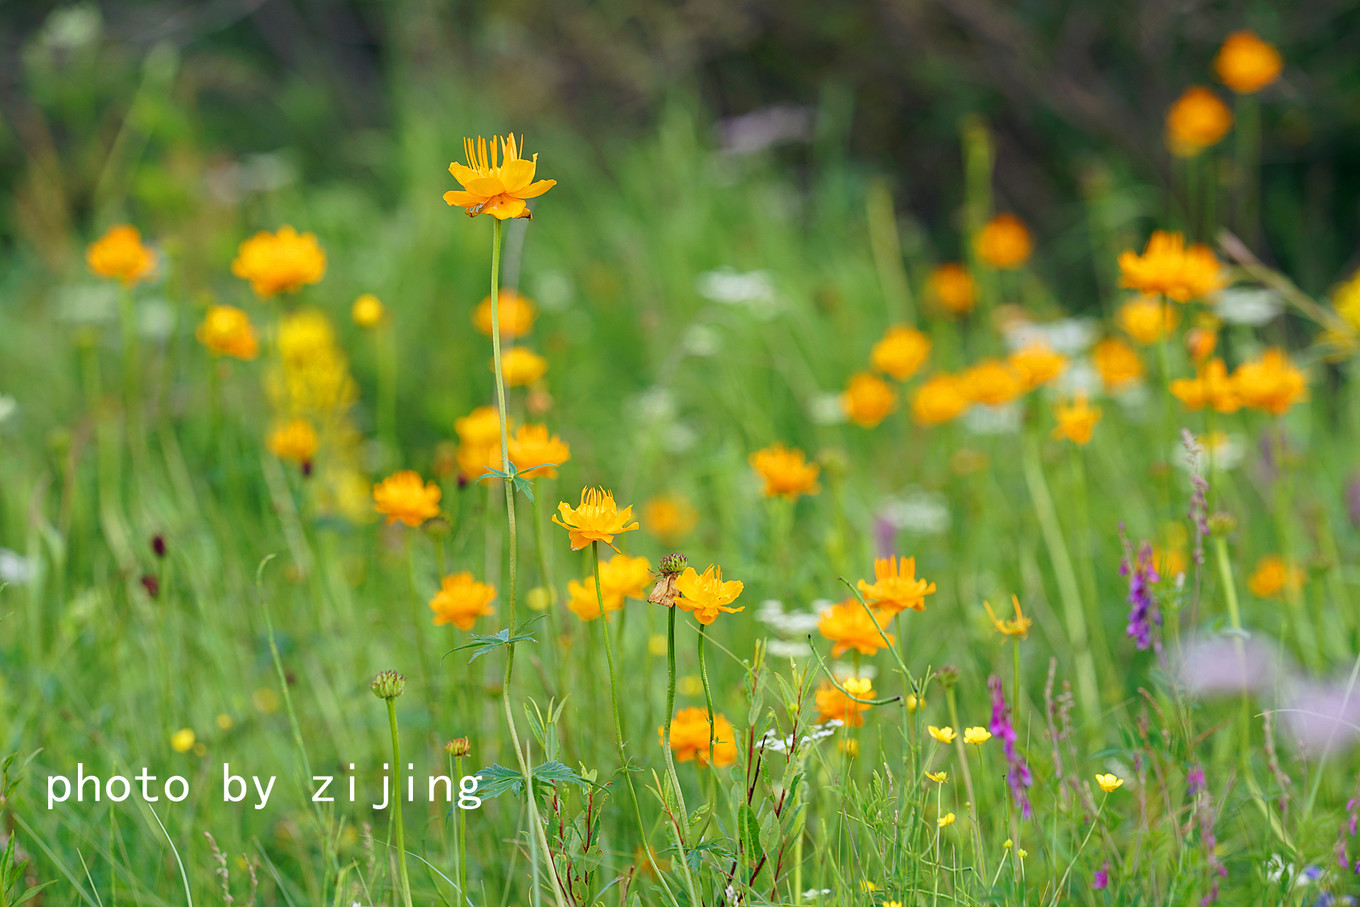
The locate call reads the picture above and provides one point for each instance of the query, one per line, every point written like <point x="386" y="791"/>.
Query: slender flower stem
<point x="396" y="804"/>
<point x="708" y="695"/>
<point x="457" y="774"/>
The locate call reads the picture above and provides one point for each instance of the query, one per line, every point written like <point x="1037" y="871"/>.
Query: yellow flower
<point x="1272" y="576"/>
<point x="226" y="331"/>
<point x="405" y="497"/>
<point x="832" y="704"/>
<point x="1169" y="268"/>
<point x="1146" y="319"/>
<point x="992" y="382"/>
<point x="943" y="735"/>
<point x="596" y="519"/>
<point x="492" y="185"/>
<point x="1346" y="301"/>
<point x="938" y="777"/>
<point x="1200" y="342"/>
<point x="476" y="460"/>
<point x="119" y="254"/>
<point x="706" y="595"/>
<point x="625" y="577"/>
<point x="481" y="426"/>
<point x="1016" y="626"/>
<point x="461" y="600"/>
<point x="182" y="740"/>
<point x="866" y="885"/>
<point x="669" y="517"/>
<point x="294" y="440"/>
<point x="785" y="471"/>
<point x="1195" y="121"/>
<point x="951" y="288"/>
<point x="849" y="627"/>
<point x="1109" y="783"/>
<point x="941" y="398"/>
<point x="976" y="735"/>
<point x="868" y="399"/>
<point x="1004" y="242"/>
<point x="1270" y="383"/>
<point x="521" y="366"/>
<point x="914" y="702"/>
<point x="946" y="819"/>
<point x="1211" y="387"/>
<point x="901" y="352"/>
<point x="1118" y="363"/>
<point x="1076" y="420"/>
<point x="367" y="311"/>
<point x="517" y="315"/>
<point x="690" y="732"/>
<point x="895" y="587"/>
<point x="584" y="603"/>
<point x="534" y="450"/>
<point x="1246" y="64"/>
<point x="1037" y="365"/>
<point x="281" y="262"/>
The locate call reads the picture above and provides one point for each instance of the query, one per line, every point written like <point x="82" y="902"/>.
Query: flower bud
<point x="388" y="685"/>
<point x="673" y="564"/>
<point x="947" y="676"/>
<point x="458" y="746"/>
<point x="1221" y="523"/>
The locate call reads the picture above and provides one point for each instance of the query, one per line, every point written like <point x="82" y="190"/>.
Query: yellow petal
<point x="502" y="207"/>
<point x="516" y="175"/>
<point x="485" y="186"/>
<point x="463" y="173"/>
<point x="461" y="199"/>
<point x="534" y="190"/>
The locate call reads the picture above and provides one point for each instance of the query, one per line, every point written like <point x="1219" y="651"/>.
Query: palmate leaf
<point x="497" y="780"/>
<point x="516" y="478"/>
<point x="485" y="643"/>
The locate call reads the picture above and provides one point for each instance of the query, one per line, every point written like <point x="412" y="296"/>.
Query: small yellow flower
<point x="521" y="366"/>
<point x="1016" y="626"/>
<point x="367" y="311"/>
<point x="1146" y="319"/>
<point x="281" y="262"/>
<point x="1076" y="420"/>
<point x="585" y="604"/>
<point x="1246" y="64"/>
<point x="517" y="315"/>
<point x="669" y="517"/>
<point x="1036" y="365"/>
<point x="895" y="587"/>
<point x="182" y="741"/>
<point x="1212" y="387"/>
<point x="992" y="382"/>
<point x="294" y="440"/>
<point x="849" y="746"/>
<point x="866" y="885"/>
<point x="1022" y="853"/>
<point x="939" y="777"/>
<point x="976" y="735"/>
<point x="224" y="722"/>
<point x="914" y="702"/>
<point x="706" y="595"/>
<point x="944" y="735"/>
<point x="946" y="819"/>
<point x="461" y="600"/>
<point x="1004" y="242"/>
<point x="625" y="577"/>
<point x="785" y="471"/>
<point x="868" y="400"/>
<point x="596" y="519"/>
<point x="1170" y="268"/>
<point x="1118" y="363"/>
<point x="407" y="498"/>
<point x="534" y="451"/>
<point x="119" y="254"/>
<point x="1197" y="120"/>
<point x="941" y="398"/>
<point x="226" y="331"/>
<point x="492" y="185"/>
<point x="656" y="644"/>
<point x="1273" y="576"/>
<point x="951" y="288"/>
<point x="901" y="352"/>
<point x="1270" y="383"/>
<point x="1109" y="783"/>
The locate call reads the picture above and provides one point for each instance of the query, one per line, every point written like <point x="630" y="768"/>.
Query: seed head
<point x="947" y="676"/>
<point x="1221" y="523"/>
<point x="388" y="685"/>
<point x="674" y="564"/>
<point x="458" y="746"/>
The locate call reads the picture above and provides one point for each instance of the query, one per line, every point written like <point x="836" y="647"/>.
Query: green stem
<point x="708" y="695"/>
<point x="396" y="804"/>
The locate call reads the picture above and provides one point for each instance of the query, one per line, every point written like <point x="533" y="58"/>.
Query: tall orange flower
<point x="848" y="626"/>
<point x="1197" y="120"/>
<point x="294" y="440"/>
<point x="1271" y="383"/>
<point x="941" y="398"/>
<point x="706" y="595"/>
<point x="226" y="331"/>
<point x="517" y="315"/>
<point x="521" y="366"/>
<point x="868" y="400"/>
<point x="1170" y="268"/>
<point x="461" y="600"/>
<point x="833" y="705"/>
<point x="1076" y="420"/>
<point x="496" y="179"/>
<point x="1211" y="387"/>
<point x="1016" y="626"/>
<point x="785" y="471"/>
<point x="669" y="517"/>
<point x="1118" y="363"/>
<point x="952" y="289"/>
<point x="1004" y="242"/>
<point x="281" y="262"/>
<point x="1273" y="576"/>
<point x="585" y="604"/>
<point x="895" y="587"/>
<point x="596" y="519"/>
<point x="901" y="352"/>
<point x="1036" y="364"/>
<point x="534" y="450"/>
<point x="992" y="382"/>
<point x="1246" y="64"/>
<point x="405" y="497"/>
<point x="1146" y="319"/>
<point x="690" y="737"/>
<point x="120" y="255"/>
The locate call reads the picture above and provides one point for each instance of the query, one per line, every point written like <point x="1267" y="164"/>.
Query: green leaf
<point x="554" y="772"/>
<point x="748" y="829"/>
<point x="485" y="644"/>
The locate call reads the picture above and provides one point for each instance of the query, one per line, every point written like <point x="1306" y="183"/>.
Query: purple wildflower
<point x="1101" y="879"/>
<point x="1199" y="498"/>
<point x="885" y="536"/>
<point x="1018" y="777"/>
<point x="1143" y="611"/>
<point x="1196" y="786"/>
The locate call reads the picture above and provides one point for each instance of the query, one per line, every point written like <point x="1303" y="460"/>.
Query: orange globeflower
<point x="1246" y="64"/>
<point x="848" y="626"/>
<point x="940" y="398"/>
<point x="1076" y="420"/>
<point x="1118" y="363"/>
<point x="833" y="705"/>
<point x="1270" y="383"/>
<point x="706" y="595"/>
<point x="521" y="366"/>
<point x="596" y="519"/>
<point x="1036" y="364"/>
<point x="1272" y="576"/>
<point x="785" y="471"/>
<point x="1169" y="268"/>
<point x="868" y="399"/>
<point x="951" y="287"/>
<point x="691" y="733"/>
<point x="481" y="426"/>
<point x="1016" y="626"/>
<point x="669" y="517"/>
<point x="1200" y="343"/>
<point x="1211" y="387"/>
<point x="461" y="600"/>
<point x="895" y="587"/>
<point x="119" y="254"/>
<point x="1195" y="121"/>
<point x="517" y="315"/>
<point x="1004" y="242"/>
<point x="585" y="604"/>
<point x="534" y="450"/>
<point x="294" y="440"/>
<point x="406" y="497"/>
<point x="281" y="262"/>
<point x="901" y="352"/>
<point x="226" y="331"/>
<point x="625" y="577"/>
<point x="492" y="185"/>
<point x="992" y="382"/>
<point x="1146" y="319"/>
